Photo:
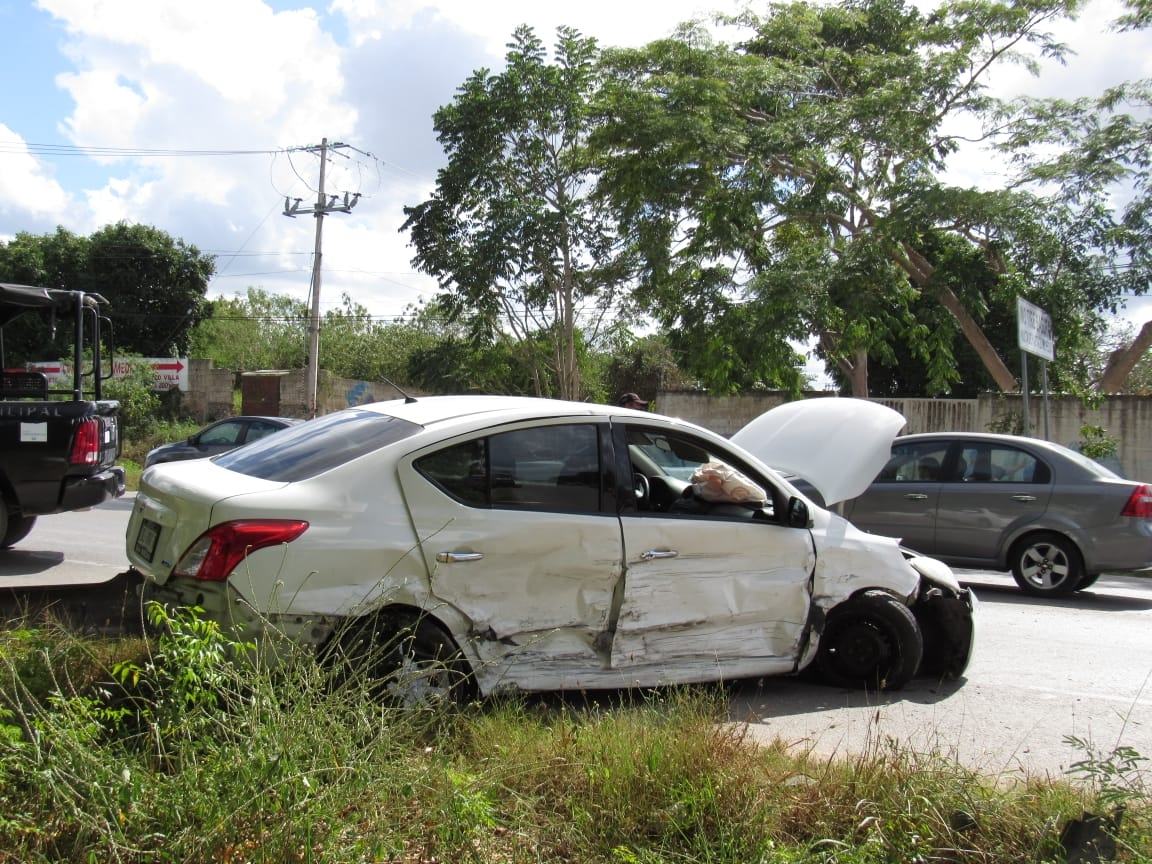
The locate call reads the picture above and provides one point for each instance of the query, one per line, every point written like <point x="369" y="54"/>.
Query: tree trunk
<point x="1123" y="360"/>
<point x="972" y="331"/>
<point x="856" y="371"/>
<point x="920" y="270"/>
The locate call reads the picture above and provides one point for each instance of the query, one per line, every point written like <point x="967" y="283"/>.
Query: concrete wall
<point x="1127" y="418"/>
<point x="332" y="393"/>
<point x="209" y="395"/>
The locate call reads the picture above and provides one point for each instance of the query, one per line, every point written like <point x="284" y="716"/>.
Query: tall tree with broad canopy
<point x="801" y="171"/>
<point x="511" y="233"/>
<point x="1102" y="153"/>
<point x="155" y="284"/>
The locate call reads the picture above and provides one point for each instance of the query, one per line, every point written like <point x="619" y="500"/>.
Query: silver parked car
<point x="1051" y="515"/>
<point x="543" y="545"/>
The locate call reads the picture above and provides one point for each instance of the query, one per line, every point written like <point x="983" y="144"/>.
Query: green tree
<point x="258" y="330"/>
<point x="1096" y="150"/>
<point x="353" y="344"/>
<point x="802" y="167"/>
<point x="154" y="284"/>
<point x="516" y="242"/>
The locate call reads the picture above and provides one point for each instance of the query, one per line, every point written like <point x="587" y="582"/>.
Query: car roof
<point x="271" y="417"/>
<point x="432" y="410"/>
<point x="993" y="437"/>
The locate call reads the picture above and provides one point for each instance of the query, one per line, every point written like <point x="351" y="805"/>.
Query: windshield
<point x="317" y="446"/>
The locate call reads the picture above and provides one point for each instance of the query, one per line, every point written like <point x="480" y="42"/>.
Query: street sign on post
<point x="1034" y="336"/>
<point x="1034" y="330"/>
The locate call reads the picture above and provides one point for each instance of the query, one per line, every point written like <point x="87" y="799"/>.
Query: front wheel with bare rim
<point x="1046" y="565"/>
<point x="870" y="641"/>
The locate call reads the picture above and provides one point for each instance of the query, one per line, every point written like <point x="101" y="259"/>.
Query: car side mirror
<point x="798" y="516"/>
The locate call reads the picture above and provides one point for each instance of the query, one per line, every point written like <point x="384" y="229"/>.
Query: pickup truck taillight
<point x="86" y="444"/>
<point x="1140" y="504"/>
<point x="219" y="550"/>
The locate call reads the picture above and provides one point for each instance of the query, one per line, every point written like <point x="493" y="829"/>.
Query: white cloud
<point x="26" y="185"/>
<point x="611" y="22"/>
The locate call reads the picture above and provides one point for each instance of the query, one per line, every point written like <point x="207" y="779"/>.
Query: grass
<point x="163" y="750"/>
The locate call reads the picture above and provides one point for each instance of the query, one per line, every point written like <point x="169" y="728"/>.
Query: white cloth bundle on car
<point x="719" y="482"/>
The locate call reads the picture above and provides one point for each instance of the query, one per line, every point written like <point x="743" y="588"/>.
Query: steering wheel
<point x="642" y="490"/>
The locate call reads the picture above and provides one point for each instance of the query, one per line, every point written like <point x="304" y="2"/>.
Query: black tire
<point x="404" y="658"/>
<point x="1046" y="565"/>
<point x="1087" y="581"/>
<point x="16" y="528"/>
<point x="870" y="641"/>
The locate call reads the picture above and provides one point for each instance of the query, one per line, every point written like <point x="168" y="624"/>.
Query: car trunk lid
<point x="174" y="506"/>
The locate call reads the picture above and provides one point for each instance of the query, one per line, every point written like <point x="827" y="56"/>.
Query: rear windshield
<point x="316" y="446"/>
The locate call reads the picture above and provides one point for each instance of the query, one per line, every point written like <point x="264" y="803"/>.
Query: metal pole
<point x="314" y="323"/>
<point x="1044" y="374"/>
<point x="1024" y="387"/>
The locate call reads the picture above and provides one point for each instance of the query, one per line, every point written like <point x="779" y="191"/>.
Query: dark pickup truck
<point x="57" y="446"/>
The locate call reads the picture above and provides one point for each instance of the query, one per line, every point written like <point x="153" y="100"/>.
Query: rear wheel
<point x="15" y="529"/>
<point x="405" y="658"/>
<point x="1046" y="565"/>
<point x="870" y="641"/>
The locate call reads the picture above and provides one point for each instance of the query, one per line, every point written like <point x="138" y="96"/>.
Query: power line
<point x="74" y="150"/>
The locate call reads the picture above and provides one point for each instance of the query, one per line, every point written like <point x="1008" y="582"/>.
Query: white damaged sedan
<point x="527" y="544"/>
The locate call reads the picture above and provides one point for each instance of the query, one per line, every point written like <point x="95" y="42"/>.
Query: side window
<point x="914" y="462"/>
<point x="666" y="463"/>
<point x="994" y="463"/>
<point x="258" y="429"/>
<point x="461" y="471"/>
<point x="547" y="468"/>
<point x="554" y="468"/>
<point x="225" y="433"/>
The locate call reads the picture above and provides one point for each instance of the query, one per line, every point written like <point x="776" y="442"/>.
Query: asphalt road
<point x="1043" y="670"/>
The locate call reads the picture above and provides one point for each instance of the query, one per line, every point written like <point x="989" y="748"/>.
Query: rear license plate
<point x="146" y="539"/>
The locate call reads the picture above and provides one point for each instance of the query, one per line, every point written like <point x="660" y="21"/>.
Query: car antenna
<point x="408" y="400"/>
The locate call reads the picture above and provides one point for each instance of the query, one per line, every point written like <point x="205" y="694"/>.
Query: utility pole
<point x="324" y="204"/>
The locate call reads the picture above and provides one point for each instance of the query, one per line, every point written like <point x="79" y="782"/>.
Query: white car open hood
<point x="838" y="445"/>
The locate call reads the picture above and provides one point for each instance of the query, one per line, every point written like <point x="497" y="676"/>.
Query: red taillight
<point x="219" y="550"/>
<point x="86" y="444"/>
<point x="1140" y="504"/>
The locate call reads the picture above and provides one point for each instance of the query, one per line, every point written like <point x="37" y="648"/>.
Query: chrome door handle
<point x="457" y="557"/>
<point x="652" y="554"/>
<point x="915" y="496"/>
<point x="1024" y="498"/>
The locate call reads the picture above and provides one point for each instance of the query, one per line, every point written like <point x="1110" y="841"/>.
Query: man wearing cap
<point x="632" y="400"/>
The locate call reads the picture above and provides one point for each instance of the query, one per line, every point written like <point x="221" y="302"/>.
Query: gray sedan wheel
<point x="1087" y="581"/>
<point x="1046" y="565"/>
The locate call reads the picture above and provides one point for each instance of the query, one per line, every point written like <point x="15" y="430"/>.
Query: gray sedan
<point x="1052" y="516"/>
<point x="219" y="437"/>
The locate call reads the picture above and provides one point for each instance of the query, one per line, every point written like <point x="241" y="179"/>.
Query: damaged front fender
<point x="946" y="613"/>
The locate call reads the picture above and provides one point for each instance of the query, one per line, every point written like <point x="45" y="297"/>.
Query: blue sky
<point x="265" y="75"/>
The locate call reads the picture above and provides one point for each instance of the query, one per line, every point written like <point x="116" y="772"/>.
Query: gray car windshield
<point x="318" y="445"/>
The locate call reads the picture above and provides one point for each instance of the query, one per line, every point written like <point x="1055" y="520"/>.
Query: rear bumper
<point x="82" y="492"/>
